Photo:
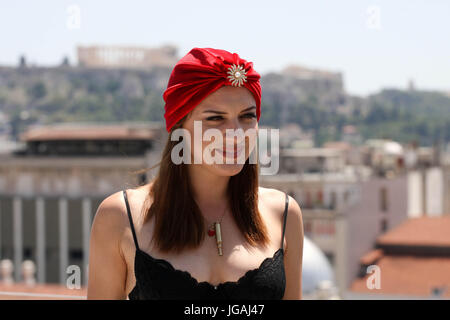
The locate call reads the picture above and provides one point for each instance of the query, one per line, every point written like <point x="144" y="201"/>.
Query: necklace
<point x="214" y="229"/>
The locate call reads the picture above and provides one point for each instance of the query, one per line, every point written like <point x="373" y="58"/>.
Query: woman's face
<point x="231" y="109"/>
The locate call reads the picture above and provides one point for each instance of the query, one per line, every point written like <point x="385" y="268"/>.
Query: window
<point x="319" y="197"/>
<point x="308" y="200"/>
<point x="384" y="225"/>
<point x="27" y="253"/>
<point x="76" y="254"/>
<point x="383" y="199"/>
<point x="333" y="200"/>
<point x="308" y="227"/>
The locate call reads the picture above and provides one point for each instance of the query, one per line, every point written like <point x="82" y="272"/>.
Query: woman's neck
<point x="209" y="190"/>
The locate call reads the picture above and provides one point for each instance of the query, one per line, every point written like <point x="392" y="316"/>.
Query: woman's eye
<point x="214" y="118"/>
<point x="250" y="115"/>
<point x="217" y="118"/>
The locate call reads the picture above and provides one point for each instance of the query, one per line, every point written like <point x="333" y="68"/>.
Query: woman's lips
<point x="232" y="154"/>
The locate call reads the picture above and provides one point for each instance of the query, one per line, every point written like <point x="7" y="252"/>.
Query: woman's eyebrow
<point x="252" y="107"/>
<point x="214" y="111"/>
<point x="221" y="112"/>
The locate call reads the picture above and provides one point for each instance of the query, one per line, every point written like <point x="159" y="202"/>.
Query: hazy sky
<point x="375" y="44"/>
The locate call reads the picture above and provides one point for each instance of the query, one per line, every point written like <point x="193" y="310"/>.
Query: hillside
<point x="315" y="100"/>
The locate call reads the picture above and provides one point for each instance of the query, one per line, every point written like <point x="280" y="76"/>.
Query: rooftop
<point x="409" y="275"/>
<point x="420" y="231"/>
<point x="77" y="132"/>
<point x="413" y="259"/>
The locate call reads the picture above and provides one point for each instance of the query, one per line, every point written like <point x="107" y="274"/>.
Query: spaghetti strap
<point x="130" y="218"/>
<point x="285" y="216"/>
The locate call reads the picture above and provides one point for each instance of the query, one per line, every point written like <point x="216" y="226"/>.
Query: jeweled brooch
<point x="237" y="75"/>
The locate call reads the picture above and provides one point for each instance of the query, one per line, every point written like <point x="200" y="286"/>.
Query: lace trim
<point x="267" y="261"/>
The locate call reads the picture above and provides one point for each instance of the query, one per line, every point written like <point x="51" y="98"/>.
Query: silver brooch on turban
<point x="237" y="75"/>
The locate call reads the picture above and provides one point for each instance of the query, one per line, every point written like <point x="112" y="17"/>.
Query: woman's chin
<point x="226" y="169"/>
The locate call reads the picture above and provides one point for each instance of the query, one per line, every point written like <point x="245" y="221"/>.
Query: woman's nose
<point x="234" y="124"/>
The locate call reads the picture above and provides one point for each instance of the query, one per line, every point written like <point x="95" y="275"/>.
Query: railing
<point x="17" y="228"/>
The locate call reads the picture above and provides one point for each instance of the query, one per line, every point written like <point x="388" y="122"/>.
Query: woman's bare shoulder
<point x="273" y="199"/>
<point x="276" y="200"/>
<point x="113" y="205"/>
<point x="110" y="218"/>
<point x="107" y="263"/>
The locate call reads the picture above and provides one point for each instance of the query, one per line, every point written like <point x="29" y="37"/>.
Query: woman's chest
<point x="204" y="264"/>
<point x="156" y="279"/>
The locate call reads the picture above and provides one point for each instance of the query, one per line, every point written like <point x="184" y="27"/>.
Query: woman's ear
<point x="184" y="119"/>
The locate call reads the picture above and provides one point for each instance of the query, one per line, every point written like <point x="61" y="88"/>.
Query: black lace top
<point x="157" y="278"/>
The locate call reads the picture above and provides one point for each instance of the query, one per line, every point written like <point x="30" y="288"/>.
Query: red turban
<point x="201" y="72"/>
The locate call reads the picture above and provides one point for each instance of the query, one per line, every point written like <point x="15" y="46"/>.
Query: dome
<point x="394" y="148"/>
<point x="315" y="267"/>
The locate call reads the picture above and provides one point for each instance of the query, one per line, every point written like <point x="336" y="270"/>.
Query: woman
<point x="201" y="230"/>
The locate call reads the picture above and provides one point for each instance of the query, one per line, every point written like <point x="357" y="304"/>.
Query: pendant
<point x="219" y="238"/>
<point x="211" y="231"/>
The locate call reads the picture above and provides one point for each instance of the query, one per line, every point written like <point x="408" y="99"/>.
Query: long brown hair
<point x="179" y="223"/>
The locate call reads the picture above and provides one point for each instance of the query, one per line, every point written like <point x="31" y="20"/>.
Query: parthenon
<point x="126" y="57"/>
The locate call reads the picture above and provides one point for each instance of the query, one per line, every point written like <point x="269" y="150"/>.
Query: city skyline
<point x="374" y="44"/>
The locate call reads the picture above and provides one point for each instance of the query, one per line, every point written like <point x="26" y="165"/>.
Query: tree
<point x="37" y="91"/>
